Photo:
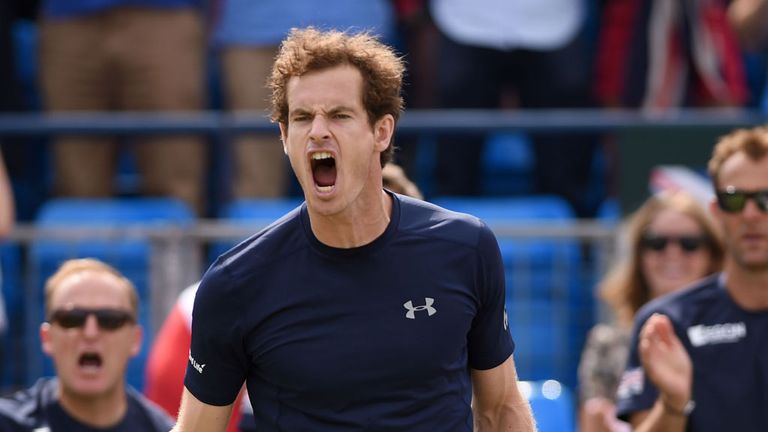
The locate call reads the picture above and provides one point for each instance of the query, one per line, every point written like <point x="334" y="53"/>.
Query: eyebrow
<point x="331" y="111"/>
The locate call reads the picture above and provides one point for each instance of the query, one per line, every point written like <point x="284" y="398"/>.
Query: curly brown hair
<point x="753" y="142"/>
<point x="309" y="49"/>
<point x="625" y="287"/>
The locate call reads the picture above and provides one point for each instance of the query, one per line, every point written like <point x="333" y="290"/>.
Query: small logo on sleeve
<point x="198" y="367"/>
<point x="631" y="383"/>
<point x="411" y="314"/>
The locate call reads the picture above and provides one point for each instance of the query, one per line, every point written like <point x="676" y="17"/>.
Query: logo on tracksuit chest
<point x="426" y="307"/>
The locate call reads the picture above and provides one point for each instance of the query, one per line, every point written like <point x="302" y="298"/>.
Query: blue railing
<point x="412" y="121"/>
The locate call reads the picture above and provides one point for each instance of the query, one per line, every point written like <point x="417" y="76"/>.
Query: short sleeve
<point x="217" y="364"/>
<point x="490" y="342"/>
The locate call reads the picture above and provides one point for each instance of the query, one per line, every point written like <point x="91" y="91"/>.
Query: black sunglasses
<point x="732" y="200"/>
<point x="108" y="319"/>
<point x="687" y="243"/>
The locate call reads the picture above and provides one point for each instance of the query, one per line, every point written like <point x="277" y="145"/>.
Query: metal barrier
<point x="411" y="122"/>
<point x="177" y="260"/>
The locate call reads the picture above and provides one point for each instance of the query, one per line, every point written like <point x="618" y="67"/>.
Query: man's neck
<point x="748" y="287"/>
<point x="357" y="226"/>
<point x="99" y="411"/>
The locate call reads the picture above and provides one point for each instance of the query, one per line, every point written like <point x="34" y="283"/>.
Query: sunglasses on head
<point x="687" y="243"/>
<point x="732" y="200"/>
<point x="108" y="319"/>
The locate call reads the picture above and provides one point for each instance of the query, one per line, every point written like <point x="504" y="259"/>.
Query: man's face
<point x="90" y="360"/>
<point x="332" y="147"/>
<point x="746" y="231"/>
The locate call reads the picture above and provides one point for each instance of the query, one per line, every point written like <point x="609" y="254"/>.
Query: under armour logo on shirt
<point x="411" y="314"/>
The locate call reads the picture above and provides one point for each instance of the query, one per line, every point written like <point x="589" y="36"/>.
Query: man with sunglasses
<point x="699" y="360"/>
<point x="90" y="333"/>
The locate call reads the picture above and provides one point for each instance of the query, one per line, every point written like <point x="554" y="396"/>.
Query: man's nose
<point x="91" y="326"/>
<point x="319" y="130"/>
<point x="751" y="210"/>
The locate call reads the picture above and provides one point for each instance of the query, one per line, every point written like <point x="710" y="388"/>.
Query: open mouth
<point x="90" y="361"/>
<point x="324" y="171"/>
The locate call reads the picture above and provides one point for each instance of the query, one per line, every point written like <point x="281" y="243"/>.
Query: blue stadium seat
<point x="543" y="339"/>
<point x="552" y="405"/>
<point x="255" y="212"/>
<point x="549" y="305"/>
<point x="131" y="257"/>
<point x="521" y="208"/>
<point x="507" y="164"/>
<point x="609" y="210"/>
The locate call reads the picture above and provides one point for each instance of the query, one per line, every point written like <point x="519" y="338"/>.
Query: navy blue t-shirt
<point x="378" y="337"/>
<point x="729" y="350"/>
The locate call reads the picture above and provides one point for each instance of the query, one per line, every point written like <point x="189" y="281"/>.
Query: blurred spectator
<point x="24" y="157"/>
<point x="90" y="334"/>
<point x="247" y="34"/>
<point x="683" y="343"/>
<point x="661" y="54"/>
<point x="125" y="55"/>
<point x="671" y="242"/>
<point x="532" y="54"/>
<point x="6" y="201"/>
<point x="750" y="20"/>
<point x="417" y="38"/>
<point x="395" y="180"/>
<point x="10" y="97"/>
<point x="7" y="217"/>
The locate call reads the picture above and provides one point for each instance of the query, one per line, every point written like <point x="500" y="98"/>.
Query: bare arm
<point x="7" y="212"/>
<point x="196" y="416"/>
<point x="669" y="367"/>
<point x="497" y="404"/>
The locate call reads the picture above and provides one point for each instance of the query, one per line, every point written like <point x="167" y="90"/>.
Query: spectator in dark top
<point x="698" y="357"/>
<point x="90" y="333"/>
<point x="671" y="242"/>
<point x="529" y="54"/>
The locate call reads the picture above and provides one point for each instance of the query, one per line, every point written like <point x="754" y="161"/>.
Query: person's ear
<point x="714" y="208"/>
<point x="45" y="338"/>
<point x="382" y="132"/>
<point x="284" y="136"/>
<point x="137" y="337"/>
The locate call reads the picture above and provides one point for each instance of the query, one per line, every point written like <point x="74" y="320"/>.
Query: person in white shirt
<point x="529" y="54"/>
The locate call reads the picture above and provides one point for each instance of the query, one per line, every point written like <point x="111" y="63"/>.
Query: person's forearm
<point x="7" y="209"/>
<point x="662" y="418"/>
<point x="510" y="417"/>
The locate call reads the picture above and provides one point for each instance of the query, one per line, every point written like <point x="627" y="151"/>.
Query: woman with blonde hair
<point x="670" y="242"/>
